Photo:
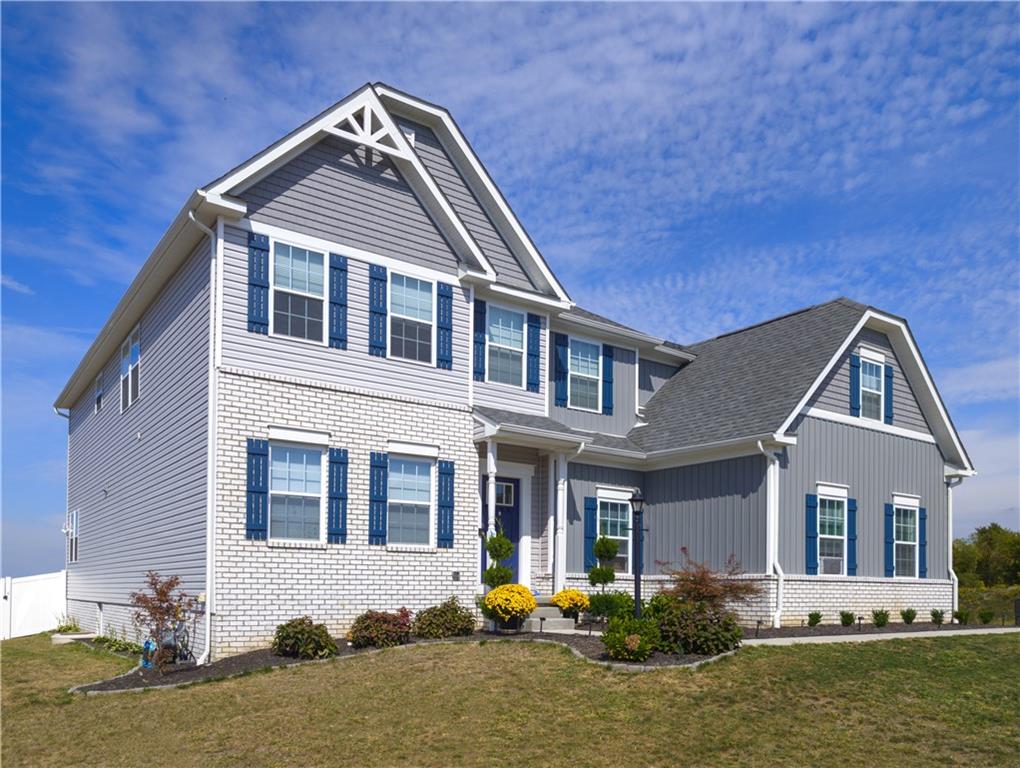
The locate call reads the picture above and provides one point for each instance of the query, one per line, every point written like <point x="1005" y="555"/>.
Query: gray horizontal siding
<point x="351" y="367"/>
<point x="715" y="510"/>
<point x="518" y="399"/>
<point x="582" y="480"/>
<point x="468" y="209"/>
<point x="651" y="375"/>
<point x="874" y="465"/>
<point x="624" y="398"/>
<point x="354" y="197"/>
<point x="138" y="478"/>
<point x="834" y="394"/>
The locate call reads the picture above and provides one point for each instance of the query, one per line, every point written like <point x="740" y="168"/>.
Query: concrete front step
<point x="535" y="624"/>
<point x="547" y="611"/>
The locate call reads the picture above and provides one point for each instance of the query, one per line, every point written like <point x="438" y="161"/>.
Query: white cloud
<point x="987" y="381"/>
<point x="9" y="282"/>
<point x="993" y="495"/>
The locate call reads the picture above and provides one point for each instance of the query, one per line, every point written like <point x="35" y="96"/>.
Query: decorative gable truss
<point x="364" y="125"/>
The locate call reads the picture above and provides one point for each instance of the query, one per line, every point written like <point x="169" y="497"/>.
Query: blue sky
<point x="685" y="169"/>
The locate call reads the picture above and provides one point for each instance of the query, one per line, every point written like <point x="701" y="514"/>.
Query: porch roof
<point x="542" y="429"/>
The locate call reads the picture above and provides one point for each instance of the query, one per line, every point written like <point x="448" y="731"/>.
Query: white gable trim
<point x="913" y="368"/>
<point x="478" y="179"/>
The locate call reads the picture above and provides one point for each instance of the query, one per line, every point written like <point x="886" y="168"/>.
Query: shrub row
<point x="880" y="618"/>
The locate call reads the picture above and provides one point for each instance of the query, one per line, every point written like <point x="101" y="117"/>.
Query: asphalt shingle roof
<point x="551" y="425"/>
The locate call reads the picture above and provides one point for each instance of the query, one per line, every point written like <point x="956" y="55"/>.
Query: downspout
<point x="951" y="483"/>
<point x="772" y="528"/>
<point x="210" y="470"/>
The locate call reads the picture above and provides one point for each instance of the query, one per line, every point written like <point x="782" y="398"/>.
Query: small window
<point x="585" y="361"/>
<point x="98" y="393"/>
<point x="505" y="336"/>
<point x="409" y="501"/>
<point x="410" y="318"/>
<point x="504" y="494"/>
<point x="295" y="493"/>
<point x="130" y="368"/>
<point x="871" y="390"/>
<point x="905" y="533"/>
<point x="298" y="276"/>
<point x="831" y="536"/>
<point x="614" y="523"/>
<point x="72" y="537"/>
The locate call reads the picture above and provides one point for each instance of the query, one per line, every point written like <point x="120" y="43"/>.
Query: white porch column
<point x="490" y="485"/>
<point x="560" y="573"/>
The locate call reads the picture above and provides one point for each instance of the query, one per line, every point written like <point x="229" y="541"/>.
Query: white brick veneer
<point x="259" y="586"/>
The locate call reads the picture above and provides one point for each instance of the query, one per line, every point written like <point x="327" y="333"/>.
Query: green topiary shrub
<point x="449" y="619"/>
<point x="497" y="576"/>
<point x="499" y="548"/>
<point x="985" y="615"/>
<point x="609" y="605"/>
<point x="880" y="618"/>
<point x="846" y="618"/>
<point x="962" y="617"/>
<point x="630" y="639"/>
<point x="698" y="628"/>
<point x="908" y="615"/>
<point x="605" y="550"/>
<point x="814" y="618"/>
<point x="937" y="616"/>
<point x="600" y="576"/>
<point x="303" y="639"/>
<point x="381" y="629"/>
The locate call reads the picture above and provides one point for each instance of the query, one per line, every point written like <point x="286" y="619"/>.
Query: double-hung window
<point x="505" y="337"/>
<point x="295" y="492"/>
<point x="905" y="537"/>
<point x="130" y="368"/>
<point x="614" y="523"/>
<point x="98" y="393"/>
<point x="409" y="501"/>
<point x="298" y="278"/>
<point x="832" y="535"/>
<point x="871" y="389"/>
<point x="411" y="314"/>
<point x="585" y="370"/>
<point x="72" y="537"/>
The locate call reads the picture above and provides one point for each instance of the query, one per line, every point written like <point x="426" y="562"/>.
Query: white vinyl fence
<point x="32" y="604"/>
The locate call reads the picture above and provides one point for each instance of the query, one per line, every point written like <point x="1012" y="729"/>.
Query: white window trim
<point x="99" y="391"/>
<point x="617" y="495"/>
<point x="72" y="536"/>
<point x="296" y="436"/>
<point x="833" y="493"/>
<point x="433" y="505"/>
<point x="912" y="503"/>
<point x="390" y="314"/>
<point x="323" y="494"/>
<point x="871" y="354"/>
<point x="323" y="298"/>
<point x="906" y="500"/>
<point x="404" y="449"/>
<point x="878" y="359"/>
<point x="523" y="350"/>
<point x="571" y="374"/>
<point x="122" y="376"/>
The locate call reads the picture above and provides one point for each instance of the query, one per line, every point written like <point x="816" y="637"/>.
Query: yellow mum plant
<point x="510" y="601"/>
<point x="571" y="601"/>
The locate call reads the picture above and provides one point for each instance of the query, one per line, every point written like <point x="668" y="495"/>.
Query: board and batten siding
<point x="834" y="393"/>
<point x="624" y="397"/>
<point x="874" y="465"/>
<point x="351" y="196"/>
<point x="352" y="367"/>
<point x="584" y="480"/>
<point x="442" y="169"/>
<point x="651" y="375"/>
<point x="510" y="398"/>
<point x="138" y="477"/>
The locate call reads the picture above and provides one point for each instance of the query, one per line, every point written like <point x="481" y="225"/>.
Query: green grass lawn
<point x="903" y="702"/>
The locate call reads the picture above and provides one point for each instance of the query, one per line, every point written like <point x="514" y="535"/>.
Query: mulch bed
<point x="824" y="630"/>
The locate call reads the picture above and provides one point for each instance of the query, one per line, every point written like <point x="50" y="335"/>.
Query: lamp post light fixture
<point x="637" y="506"/>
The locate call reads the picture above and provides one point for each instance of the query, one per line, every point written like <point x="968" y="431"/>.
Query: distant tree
<point x="990" y="556"/>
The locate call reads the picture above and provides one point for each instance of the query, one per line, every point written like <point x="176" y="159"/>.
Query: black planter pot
<point x="510" y="626"/>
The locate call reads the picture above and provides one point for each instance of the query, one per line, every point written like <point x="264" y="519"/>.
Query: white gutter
<point x="210" y="448"/>
<point x="951" y="483"/>
<point x="772" y="527"/>
<point x="62" y="415"/>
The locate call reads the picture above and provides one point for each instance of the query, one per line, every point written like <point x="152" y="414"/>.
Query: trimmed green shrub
<point x="381" y="629"/>
<point x="937" y="616"/>
<point x="605" y="549"/>
<point x="985" y="615"/>
<point x="908" y="615"/>
<point x="814" y="618"/>
<point x="962" y="617"/>
<point x="448" y="619"/>
<point x="630" y="639"/>
<point x="499" y="548"/>
<point x="846" y="618"/>
<point x="611" y="604"/>
<point x="601" y="575"/>
<point x="303" y="639"/>
<point x="693" y="627"/>
<point x="880" y="618"/>
<point x="497" y="576"/>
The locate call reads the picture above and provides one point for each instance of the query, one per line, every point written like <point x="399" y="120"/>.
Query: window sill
<point x="285" y="544"/>
<point x="420" y="548"/>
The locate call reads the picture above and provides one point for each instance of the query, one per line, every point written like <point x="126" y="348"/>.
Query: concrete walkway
<point x="866" y="638"/>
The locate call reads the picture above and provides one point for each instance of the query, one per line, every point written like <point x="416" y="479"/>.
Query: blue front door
<point x="508" y="518"/>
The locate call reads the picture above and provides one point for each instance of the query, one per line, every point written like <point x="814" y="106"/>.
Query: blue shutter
<point x="337" y="301"/>
<point x="444" y="326"/>
<point x="534" y="350"/>
<point x="591" y="530"/>
<point x="479" y="354"/>
<point x="811" y="534"/>
<point x="444" y="525"/>
<point x="922" y="543"/>
<point x="607" y="379"/>
<point x="855" y="385"/>
<point x="258" y="283"/>
<point x="851" y="537"/>
<point x="887" y="394"/>
<point x="890" y="548"/>
<point x="562" y="362"/>
<point x="378" y="485"/>
<point x="336" y="513"/>
<point x="377" y="310"/>
<point x="256" y="523"/>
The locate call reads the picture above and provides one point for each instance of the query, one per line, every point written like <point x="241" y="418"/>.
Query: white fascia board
<point x="528" y="297"/>
<point x="476" y="176"/>
<point x="706" y="452"/>
<point x="662" y="349"/>
<point x="875" y="426"/>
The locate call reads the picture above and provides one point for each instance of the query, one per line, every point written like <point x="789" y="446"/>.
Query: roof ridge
<point x="839" y="300"/>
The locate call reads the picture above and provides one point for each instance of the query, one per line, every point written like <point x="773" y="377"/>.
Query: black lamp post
<point x="637" y="506"/>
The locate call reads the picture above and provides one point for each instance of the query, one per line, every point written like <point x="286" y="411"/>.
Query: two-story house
<point x="346" y="360"/>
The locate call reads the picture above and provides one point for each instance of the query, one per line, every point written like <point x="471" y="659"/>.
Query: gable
<point x="834" y="393"/>
<point x="351" y="195"/>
